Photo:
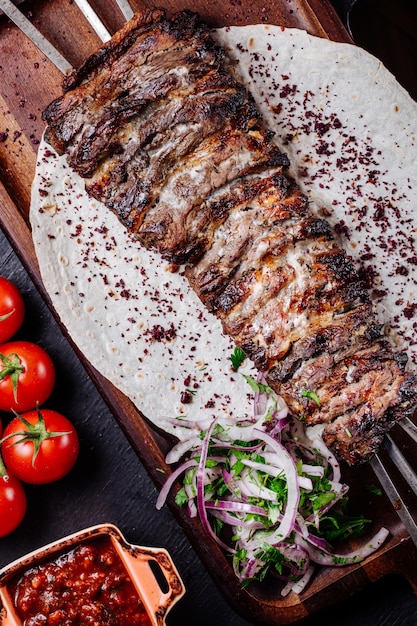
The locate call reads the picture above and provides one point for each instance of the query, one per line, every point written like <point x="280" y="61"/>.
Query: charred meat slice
<point x="222" y="157"/>
<point x="171" y="142"/>
<point x="148" y="59"/>
<point x="245" y="228"/>
<point x="151" y="144"/>
<point x="193" y="234"/>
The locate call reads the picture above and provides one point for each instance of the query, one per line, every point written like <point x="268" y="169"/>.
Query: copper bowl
<point x="151" y="570"/>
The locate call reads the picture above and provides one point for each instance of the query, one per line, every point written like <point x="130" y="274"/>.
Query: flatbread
<point x="349" y="130"/>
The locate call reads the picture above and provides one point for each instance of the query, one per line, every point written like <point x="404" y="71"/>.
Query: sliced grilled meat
<point x="144" y="62"/>
<point x="219" y="159"/>
<point x="168" y="139"/>
<point x="151" y="144"/>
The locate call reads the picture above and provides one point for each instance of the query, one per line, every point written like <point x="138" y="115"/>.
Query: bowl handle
<point x="155" y="577"/>
<point x="8" y="615"/>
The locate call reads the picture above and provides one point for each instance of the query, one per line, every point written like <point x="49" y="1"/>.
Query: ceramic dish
<point x="151" y="570"/>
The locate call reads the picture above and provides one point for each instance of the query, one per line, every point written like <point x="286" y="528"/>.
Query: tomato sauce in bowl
<point x="87" y="585"/>
<point x="92" y="577"/>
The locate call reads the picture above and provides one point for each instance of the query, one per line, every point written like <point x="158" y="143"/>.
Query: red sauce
<point x="86" y="586"/>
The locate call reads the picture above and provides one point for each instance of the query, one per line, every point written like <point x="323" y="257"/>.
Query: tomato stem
<point x="3" y="469"/>
<point x="12" y="366"/>
<point x="36" y="433"/>
<point x="7" y="315"/>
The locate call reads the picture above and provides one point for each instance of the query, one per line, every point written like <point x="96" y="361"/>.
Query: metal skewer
<point x="401" y="463"/>
<point x="125" y="8"/>
<point x="93" y="19"/>
<point x="35" y="36"/>
<point x="394" y="497"/>
<point x="409" y="427"/>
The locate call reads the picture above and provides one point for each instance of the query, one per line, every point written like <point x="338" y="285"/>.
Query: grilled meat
<point x="168" y="139"/>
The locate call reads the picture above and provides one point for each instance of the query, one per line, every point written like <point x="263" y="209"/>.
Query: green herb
<point x="272" y="558"/>
<point x="375" y="490"/>
<point x="189" y="476"/>
<point x="321" y="499"/>
<point x="256" y="386"/>
<point x="311" y="395"/>
<point x="181" y="497"/>
<point x="342" y="526"/>
<point x="274" y="511"/>
<point x="237" y="467"/>
<point x="217" y="525"/>
<point x="340" y="560"/>
<point x="240" y="555"/>
<point x="237" y="357"/>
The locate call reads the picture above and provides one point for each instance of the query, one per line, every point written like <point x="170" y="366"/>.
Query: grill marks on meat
<point x="151" y="145"/>
<point x="168" y="139"/>
<point x="147" y="59"/>
<point x="219" y="159"/>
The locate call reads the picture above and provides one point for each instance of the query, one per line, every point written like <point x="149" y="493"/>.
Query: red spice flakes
<point x="186" y="397"/>
<point x="287" y="90"/>
<point x="410" y="310"/>
<point x="159" y="333"/>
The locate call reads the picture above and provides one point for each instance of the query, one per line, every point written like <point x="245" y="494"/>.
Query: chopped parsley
<point x="311" y="395"/>
<point x="237" y="357"/>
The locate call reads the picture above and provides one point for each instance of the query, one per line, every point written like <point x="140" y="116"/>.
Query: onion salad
<point x="268" y="492"/>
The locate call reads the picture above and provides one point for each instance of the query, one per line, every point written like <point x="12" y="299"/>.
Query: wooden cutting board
<point x="28" y="82"/>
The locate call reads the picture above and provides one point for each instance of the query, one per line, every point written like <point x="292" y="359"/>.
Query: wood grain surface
<point x="28" y="82"/>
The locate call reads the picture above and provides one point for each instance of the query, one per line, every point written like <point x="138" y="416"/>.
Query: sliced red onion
<point x="299" y="585"/>
<point x="181" y="448"/>
<point x="236" y="507"/>
<point x="355" y="556"/>
<point x="163" y="494"/>
<point x="313" y="470"/>
<point x="321" y="447"/>
<point x="282" y="443"/>
<point x="274" y="470"/>
<point x="297" y="558"/>
<point x="200" y="491"/>
<point x="253" y="489"/>
<point x="293" y="491"/>
<point x="235" y="521"/>
<point x="191" y="491"/>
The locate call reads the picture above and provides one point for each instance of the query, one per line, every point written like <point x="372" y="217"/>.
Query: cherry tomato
<point x="40" y="446"/>
<point x="12" y="309"/>
<point x="13" y="503"/>
<point x="27" y="376"/>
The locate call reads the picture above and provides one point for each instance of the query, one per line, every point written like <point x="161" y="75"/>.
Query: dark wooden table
<point x="109" y="484"/>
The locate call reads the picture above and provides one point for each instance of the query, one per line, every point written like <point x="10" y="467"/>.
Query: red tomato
<point x="12" y="309"/>
<point x="13" y="503"/>
<point x="27" y="376"/>
<point x="40" y="446"/>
